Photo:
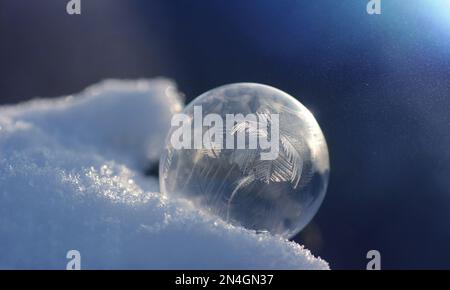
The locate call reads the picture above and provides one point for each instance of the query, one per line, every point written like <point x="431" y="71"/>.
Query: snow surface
<point x="71" y="178"/>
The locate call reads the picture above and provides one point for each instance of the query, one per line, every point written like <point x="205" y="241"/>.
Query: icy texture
<point x="70" y="178"/>
<point x="280" y="194"/>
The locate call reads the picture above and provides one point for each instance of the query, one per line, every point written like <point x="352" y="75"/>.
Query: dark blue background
<point x="379" y="86"/>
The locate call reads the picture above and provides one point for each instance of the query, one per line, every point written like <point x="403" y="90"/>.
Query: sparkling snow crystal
<point x="71" y="178"/>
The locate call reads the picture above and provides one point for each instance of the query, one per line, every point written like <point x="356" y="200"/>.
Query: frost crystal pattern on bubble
<point x="279" y="195"/>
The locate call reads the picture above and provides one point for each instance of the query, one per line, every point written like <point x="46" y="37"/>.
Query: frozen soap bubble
<point x="250" y="154"/>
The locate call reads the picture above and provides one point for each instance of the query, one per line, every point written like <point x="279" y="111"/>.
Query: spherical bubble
<point x="250" y="154"/>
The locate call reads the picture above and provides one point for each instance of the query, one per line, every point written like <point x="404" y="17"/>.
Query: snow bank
<point x="70" y="178"/>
